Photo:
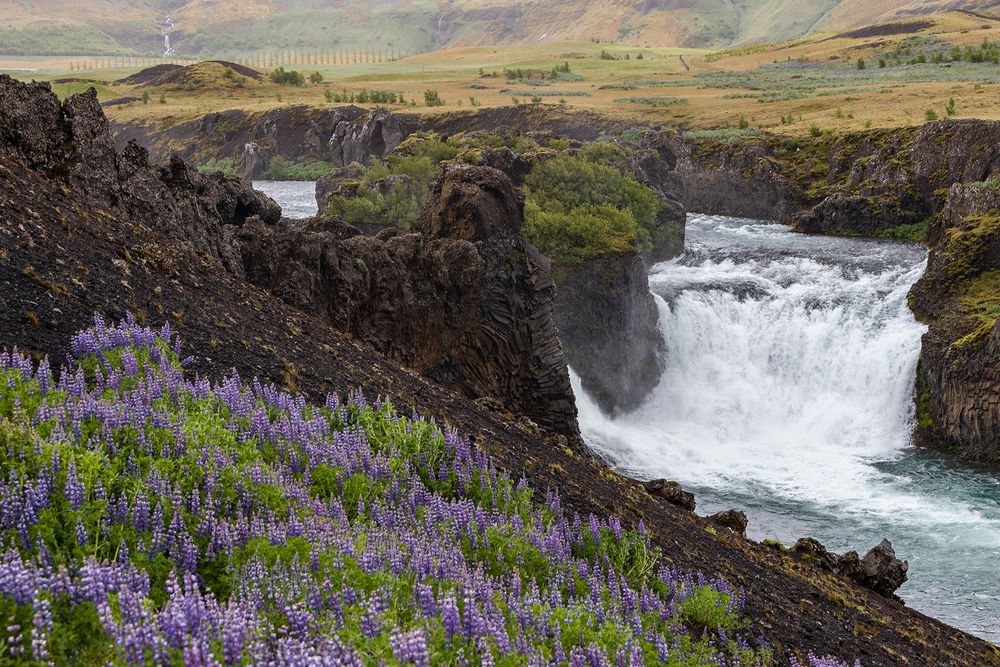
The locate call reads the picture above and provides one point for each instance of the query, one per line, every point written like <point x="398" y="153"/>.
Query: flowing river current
<point x="788" y="394"/>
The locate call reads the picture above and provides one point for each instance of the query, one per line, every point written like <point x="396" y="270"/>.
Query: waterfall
<point x="789" y="392"/>
<point x="168" y="27"/>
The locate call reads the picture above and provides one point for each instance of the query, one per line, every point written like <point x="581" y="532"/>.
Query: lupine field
<point x="150" y="518"/>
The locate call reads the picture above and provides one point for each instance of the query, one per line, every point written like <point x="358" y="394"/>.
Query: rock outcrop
<point x="738" y="178"/>
<point x="958" y="397"/>
<point x="358" y="139"/>
<point x="464" y="300"/>
<point x="879" y="571"/>
<point x="609" y="325"/>
<point x="73" y="141"/>
<point x="654" y="162"/>
<point x="882" y="179"/>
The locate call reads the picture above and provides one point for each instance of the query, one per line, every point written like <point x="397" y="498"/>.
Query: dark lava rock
<point x="672" y="493"/>
<point x="734" y="520"/>
<point x="609" y="325"/>
<point x="654" y="163"/>
<point x="341" y="182"/>
<point x="358" y="139"/>
<point x="463" y="299"/>
<point x="958" y="379"/>
<point x="879" y="571"/>
<point x="72" y="141"/>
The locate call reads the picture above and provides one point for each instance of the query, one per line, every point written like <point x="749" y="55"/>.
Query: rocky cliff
<point x="468" y="302"/>
<point x="958" y="402"/>
<point x="73" y="141"/>
<point x="869" y="183"/>
<point x="609" y="325"/>
<point x="464" y="300"/>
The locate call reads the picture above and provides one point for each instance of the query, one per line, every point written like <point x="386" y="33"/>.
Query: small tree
<point x="930" y="115"/>
<point x="328" y="95"/>
<point x="163" y="98"/>
<point x="881" y="63"/>
<point x="815" y="131"/>
<point x="536" y="99"/>
<point x="316" y="78"/>
<point x="861" y="63"/>
<point x="145" y="97"/>
<point x="744" y="123"/>
<point x="951" y="108"/>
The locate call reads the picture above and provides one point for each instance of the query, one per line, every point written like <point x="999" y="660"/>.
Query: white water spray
<point x="789" y="393"/>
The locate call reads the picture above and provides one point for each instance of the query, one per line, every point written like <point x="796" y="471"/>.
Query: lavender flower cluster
<point x="146" y="518"/>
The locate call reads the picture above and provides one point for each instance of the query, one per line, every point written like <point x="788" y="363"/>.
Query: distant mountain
<point x="233" y="27"/>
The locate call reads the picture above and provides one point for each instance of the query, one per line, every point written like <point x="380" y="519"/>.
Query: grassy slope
<point x="423" y="25"/>
<point x="808" y="82"/>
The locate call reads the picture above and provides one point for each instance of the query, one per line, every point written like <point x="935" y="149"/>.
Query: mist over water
<point x="788" y="394"/>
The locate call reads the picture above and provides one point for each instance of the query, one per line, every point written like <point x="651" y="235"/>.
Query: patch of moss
<point x="965" y="242"/>
<point x="980" y="299"/>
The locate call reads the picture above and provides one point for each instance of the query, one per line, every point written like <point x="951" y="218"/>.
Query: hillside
<point x="33" y="27"/>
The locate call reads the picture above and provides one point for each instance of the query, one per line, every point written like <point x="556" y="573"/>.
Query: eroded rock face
<point x="73" y="142"/>
<point x="609" y="325"/>
<point x="464" y="300"/>
<point x="654" y="163"/>
<point x="887" y="178"/>
<point x="742" y="179"/>
<point x="358" y="139"/>
<point x="958" y="398"/>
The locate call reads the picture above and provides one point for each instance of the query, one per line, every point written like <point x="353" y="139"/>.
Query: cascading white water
<point x="788" y="393"/>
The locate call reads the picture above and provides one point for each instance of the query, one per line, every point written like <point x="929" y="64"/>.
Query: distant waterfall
<point x="168" y="27"/>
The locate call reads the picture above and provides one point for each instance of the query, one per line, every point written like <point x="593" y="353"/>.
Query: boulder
<point x="672" y="492"/>
<point x="734" y="520"/>
<point x="879" y="571"/>
<point x="343" y="182"/>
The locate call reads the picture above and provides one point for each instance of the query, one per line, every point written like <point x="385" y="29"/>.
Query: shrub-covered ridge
<point x="151" y="519"/>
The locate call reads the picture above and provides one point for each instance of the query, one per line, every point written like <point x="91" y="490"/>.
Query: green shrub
<point x="226" y="166"/>
<point x="316" y="78"/>
<point x="568" y="237"/>
<point x="284" y="77"/>
<point x="280" y="169"/>
<point x="433" y="99"/>
<point x="566" y="182"/>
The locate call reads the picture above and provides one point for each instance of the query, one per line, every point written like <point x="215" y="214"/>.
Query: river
<point x="296" y="198"/>
<point x="788" y="394"/>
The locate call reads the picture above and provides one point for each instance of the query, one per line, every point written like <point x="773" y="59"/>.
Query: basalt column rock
<point x="609" y="324"/>
<point x="464" y="300"/>
<point x="958" y="381"/>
